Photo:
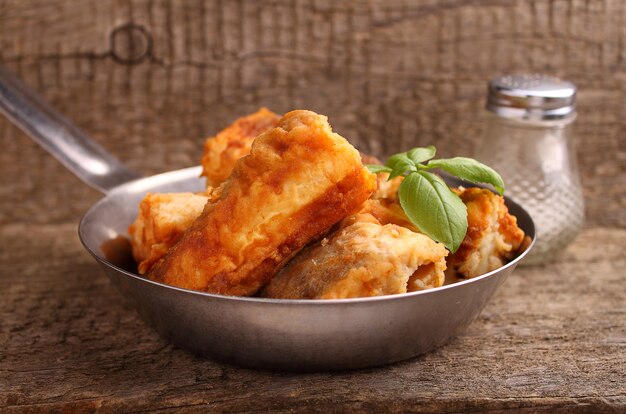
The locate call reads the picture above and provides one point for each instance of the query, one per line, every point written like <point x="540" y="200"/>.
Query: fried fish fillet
<point x="222" y="151"/>
<point x="385" y="188"/>
<point x="388" y="211"/>
<point x="161" y="221"/>
<point x="492" y="236"/>
<point x="361" y="258"/>
<point x="298" y="181"/>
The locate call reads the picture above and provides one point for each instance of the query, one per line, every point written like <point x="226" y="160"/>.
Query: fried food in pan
<point x="388" y="211"/>
<point x="361" y="258"/>
<point x="298" y="181"/>
<point x="492" y="238"/>
<point x="385" y="188"/>
<point x="222" y="151"/>
<point x="162" y="219"/>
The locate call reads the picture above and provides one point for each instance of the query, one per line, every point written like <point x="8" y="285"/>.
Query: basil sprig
<point x="426" y="199"/>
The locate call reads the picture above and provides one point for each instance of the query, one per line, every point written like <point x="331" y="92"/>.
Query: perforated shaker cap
<point x="532" y="96"/>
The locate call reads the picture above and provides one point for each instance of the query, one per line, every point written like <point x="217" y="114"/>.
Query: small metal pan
<point x="299" y="335"/>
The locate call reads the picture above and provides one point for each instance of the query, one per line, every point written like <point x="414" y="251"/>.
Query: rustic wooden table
<point x="149" y="79"/>
<point x="552" y="340"/>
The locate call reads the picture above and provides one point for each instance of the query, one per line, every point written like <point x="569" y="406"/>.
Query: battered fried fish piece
<point x="385" y="188"/>
<point x="492" y="238"/>
<point x="388" y="211"/>
<point x="161" y="221"/>
<point x="298" y="181"/>
<point x="361" y="258"/>
<point x="222" y="151"/>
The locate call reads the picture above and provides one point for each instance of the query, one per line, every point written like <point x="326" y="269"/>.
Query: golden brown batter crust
<point x="361" y="258"/>
<point x="222" y="151"/>
<point x="492" y="236"/>
<point x="162" y="219"/>
<point x="299" y="179"/>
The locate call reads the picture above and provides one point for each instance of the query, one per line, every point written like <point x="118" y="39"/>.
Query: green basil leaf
<point x="470" y="170"/>
<point x="434" y="208"/>
<point x="421" y="154"/>
<point x="375" y="168"/>
<point x="400" y="164"/>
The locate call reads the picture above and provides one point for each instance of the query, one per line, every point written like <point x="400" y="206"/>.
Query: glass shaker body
<point x="537" y="162"/>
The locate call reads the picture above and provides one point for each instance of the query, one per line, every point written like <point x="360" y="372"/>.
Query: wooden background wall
<point x="149" y="79"/>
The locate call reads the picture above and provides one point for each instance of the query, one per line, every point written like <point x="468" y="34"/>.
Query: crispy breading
<point x="492" y="238"/>
<point x="298" y="181"/>
<point x="222" y="151"/>
<point x="385" y="188"/>
<point x="361" y="258"/>
<point x="161" y="221"/>
<point x="388" y="211"/>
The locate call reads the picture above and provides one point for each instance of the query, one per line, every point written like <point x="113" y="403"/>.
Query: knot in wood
<point x="130" y="44"/>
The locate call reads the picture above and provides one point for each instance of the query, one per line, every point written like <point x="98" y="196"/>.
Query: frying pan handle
<point x="57" y="135"/>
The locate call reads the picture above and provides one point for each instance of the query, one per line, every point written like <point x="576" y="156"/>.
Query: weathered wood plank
<point x="551" y="341"/>
<point x="149" y="79"/>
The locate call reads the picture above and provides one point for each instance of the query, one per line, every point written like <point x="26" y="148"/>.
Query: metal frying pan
<point x="302" y="335"/>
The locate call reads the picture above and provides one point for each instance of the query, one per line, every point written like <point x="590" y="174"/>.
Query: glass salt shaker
<point x="527" y="140"/>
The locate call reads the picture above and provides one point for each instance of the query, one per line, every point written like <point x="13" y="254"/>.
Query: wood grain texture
<point x="552" y="340"/>
<point x="148" y="79"/>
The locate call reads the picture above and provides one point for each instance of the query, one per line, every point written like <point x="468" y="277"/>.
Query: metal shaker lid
<point x="532" y="96"/>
